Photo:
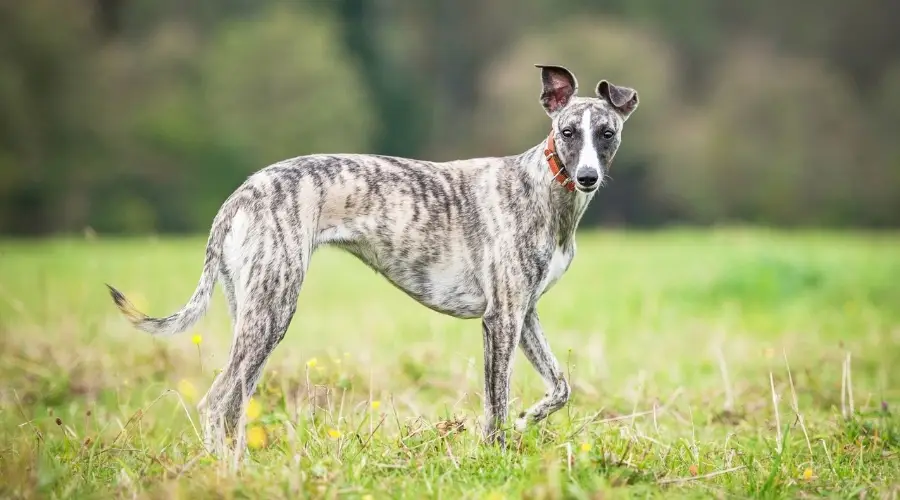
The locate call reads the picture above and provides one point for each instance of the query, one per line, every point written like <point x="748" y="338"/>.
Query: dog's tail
<point x="199" y="302"/>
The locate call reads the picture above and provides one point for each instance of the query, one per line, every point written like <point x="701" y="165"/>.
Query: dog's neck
<point x="566" y="207"/>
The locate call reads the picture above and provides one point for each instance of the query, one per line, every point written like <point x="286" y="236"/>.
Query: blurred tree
<point x="858" y="38"/>
<point x="45" y="98"/>
<point x="780" y="139"/>
<point x="279" y="86"/>
<point x="167" y="165"/>
<point x="207" y="113"/>
<point x="422" y="61"/>
<point x="142" y="115"/>
<point x="108" y="14"/>
<point x="465" y="38"/>
<point x="392" y="82"/>
<point x="883" y="185"/>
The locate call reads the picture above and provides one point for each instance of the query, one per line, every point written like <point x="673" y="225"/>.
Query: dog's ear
<point x="624" y="99"/>
<point x="559" y="87"/>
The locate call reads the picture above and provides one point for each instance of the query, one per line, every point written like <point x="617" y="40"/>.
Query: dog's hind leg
<point x="269" y="300"/>
<point x="538" y="352"/>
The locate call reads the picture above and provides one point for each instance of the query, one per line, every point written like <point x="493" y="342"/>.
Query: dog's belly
<point x="446" y="293"/>
<point x="445" y="285"/>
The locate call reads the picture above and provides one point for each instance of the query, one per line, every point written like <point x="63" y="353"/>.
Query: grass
<point x="726" y="363"/>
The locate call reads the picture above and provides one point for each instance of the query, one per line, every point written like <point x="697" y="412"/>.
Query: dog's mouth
<point x="587" y="190"/>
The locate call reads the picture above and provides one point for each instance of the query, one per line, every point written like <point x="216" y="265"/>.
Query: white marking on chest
<point x="588" y="156"/>
<point x="559" y="263"/>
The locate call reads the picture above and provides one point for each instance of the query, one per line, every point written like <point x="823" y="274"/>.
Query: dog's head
<point x="587" y="131"/>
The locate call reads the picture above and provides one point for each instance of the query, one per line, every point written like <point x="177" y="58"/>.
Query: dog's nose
<point x="587" y="177"/>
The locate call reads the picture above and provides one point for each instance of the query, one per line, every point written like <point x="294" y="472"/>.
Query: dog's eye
<point x="608" y="134"/>
<point x="567" y="132"/>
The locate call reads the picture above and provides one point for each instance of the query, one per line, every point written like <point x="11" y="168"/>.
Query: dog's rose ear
<point x="559" y="87"/>
<point x="624" y="99"/>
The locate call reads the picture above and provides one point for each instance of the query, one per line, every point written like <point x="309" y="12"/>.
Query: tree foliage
<point x="142" y="115"/>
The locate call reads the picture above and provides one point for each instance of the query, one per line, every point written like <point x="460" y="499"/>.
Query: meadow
<point x="725" y="363"/>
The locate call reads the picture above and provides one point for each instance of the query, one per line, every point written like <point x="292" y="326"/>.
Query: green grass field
<point x="675" y="343"/>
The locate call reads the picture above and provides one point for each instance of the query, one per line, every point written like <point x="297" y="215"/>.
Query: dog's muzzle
<point x="587" y="179"/>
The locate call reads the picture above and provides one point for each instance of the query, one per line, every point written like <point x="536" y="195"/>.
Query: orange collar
<point x="556" y="167"/>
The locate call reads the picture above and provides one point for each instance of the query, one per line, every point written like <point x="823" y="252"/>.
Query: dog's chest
<point x="559" y="263"/>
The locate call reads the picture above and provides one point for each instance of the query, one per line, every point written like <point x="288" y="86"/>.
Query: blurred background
<point x="141" y="116"/>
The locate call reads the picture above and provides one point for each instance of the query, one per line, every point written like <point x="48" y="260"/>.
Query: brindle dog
<point x="485" y="237"/>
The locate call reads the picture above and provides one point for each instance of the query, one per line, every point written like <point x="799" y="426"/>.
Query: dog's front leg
<point x="534" y="345"/>
<point x="502" y="330"/>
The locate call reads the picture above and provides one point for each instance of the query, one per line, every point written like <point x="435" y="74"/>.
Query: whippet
<point x="480" y="238"/>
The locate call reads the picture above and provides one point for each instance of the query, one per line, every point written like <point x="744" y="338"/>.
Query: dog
<point x="479" y="238"/>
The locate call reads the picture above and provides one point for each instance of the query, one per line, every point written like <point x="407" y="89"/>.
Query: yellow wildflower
<point x="312" y="362"/>
<point x="366" y="497"/>
<point x="585" y="447"/>
<point x="186" y="388"/>
<point x="807" y="474"/>
<point x="376" y="404"/>
<point x="254" y="409"/>
<point x="256" y="437"/>
<point x="196" y="339"/>
<point x="334" y="433"/>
